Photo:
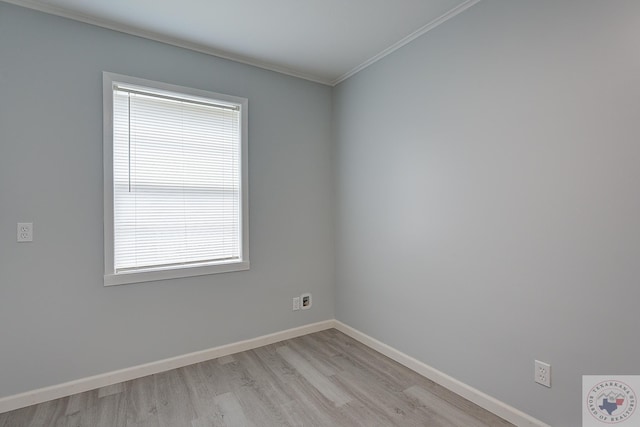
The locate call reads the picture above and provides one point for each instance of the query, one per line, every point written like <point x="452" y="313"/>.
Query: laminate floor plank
<point x="318" y="344"/>
<point x="220" y="378"/>
<point x="315" y="377"/>
<point x="269" y="390"/>
<point x="226" y="359"/>
<point x="231" y="410"/>
<point x="287" y="387"/>
<point x="202" y="395"/>
<point x="449" y="414"/>
<point x="111" y="411"/>
<point x="142" y="409"/>
<point x="381" y="401"/>
<point x="104" y="412"/>
<point x="49" y="412"/>
<point x="265" y="397"/>
<point x="76" y="402"/>
<point x="308" y="403"/>
<point x="463" y="405"/>
<point x="308" y="353"/>
<point x="110" y="389"/>
<point x="210" y="421"/>
<point x="373" y="362"/>
<point x="317" y="380"/>
<point x="358" y="410"/>
<point x="377" y="364"/>
<point x="20" y="417"/>
<point x="379" y="393"/>
<point x="241" y="395"/>
<point x="72" y="420"/>
<point x="313" y="406"/>
<point x="173" y="399"/>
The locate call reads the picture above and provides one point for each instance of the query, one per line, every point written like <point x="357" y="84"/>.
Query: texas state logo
<point x="610" y="400"/>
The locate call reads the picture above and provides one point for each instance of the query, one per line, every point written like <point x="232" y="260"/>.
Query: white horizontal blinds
<point x="176" y="181"/>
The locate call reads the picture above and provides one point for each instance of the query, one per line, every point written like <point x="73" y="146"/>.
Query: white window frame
<point x="111" y="277"/>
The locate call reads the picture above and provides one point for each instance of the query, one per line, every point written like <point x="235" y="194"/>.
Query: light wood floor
<point x="322" y="379"/>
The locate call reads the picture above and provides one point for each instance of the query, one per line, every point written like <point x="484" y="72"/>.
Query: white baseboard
<point x="481" y="399"/>
<point x="9" y="403"/>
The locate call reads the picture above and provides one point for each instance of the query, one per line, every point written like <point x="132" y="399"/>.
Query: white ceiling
<point x="320" y="40"/>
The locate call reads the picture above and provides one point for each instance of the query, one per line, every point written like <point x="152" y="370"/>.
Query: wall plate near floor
<point x="296" y="304"/>
<point x="306" y="301"/>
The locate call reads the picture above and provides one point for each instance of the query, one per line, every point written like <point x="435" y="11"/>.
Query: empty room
<point x="319" y="213"/>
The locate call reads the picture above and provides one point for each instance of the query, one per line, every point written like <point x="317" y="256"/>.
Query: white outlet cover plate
<point x="296" y="303"/>
<point x="25" y="232"/>
<point x="542" y="373"/>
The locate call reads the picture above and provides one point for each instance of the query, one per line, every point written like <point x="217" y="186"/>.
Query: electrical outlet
<point x="296" y="303"/>
<point x="25" y="232"/>
<point x="306" y="301"/>
<point x="542" y="373"/>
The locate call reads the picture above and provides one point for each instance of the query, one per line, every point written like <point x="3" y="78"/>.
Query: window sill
<point x="151" y="276"/>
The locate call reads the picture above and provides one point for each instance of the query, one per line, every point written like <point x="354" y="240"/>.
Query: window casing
<point x="175" y="181"/>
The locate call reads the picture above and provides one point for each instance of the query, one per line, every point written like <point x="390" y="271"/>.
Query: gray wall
<point x="488" y="208"/>
<point x="57" y="321"/>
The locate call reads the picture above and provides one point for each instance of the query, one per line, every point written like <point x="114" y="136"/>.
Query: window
<point x="175" y="181"/>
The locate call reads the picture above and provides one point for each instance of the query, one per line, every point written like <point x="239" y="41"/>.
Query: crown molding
<point x="197" y="47"/>
<point x="162" y="38"/>
<point x="408" y="39"/>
